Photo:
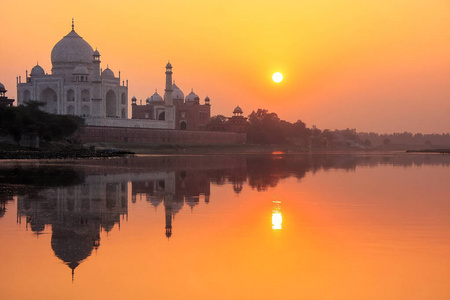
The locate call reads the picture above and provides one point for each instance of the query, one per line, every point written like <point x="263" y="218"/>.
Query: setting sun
<point x="277" y="77"/>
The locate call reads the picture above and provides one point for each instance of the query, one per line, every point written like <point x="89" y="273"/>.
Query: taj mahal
<point x="78" y="86"/>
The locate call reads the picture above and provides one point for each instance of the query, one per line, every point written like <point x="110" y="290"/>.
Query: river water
<point x="320" y="226"/>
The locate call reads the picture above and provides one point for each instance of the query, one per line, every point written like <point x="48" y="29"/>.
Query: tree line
<point x="266" y="127"/>
<point x="23" y="119"/>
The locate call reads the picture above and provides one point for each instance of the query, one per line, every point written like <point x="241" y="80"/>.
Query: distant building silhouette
<point x="4" y="101"/>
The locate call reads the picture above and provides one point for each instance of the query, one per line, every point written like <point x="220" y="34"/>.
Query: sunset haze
<point x="380" y="66"/>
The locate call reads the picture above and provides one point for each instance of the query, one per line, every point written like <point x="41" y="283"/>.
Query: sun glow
<point x="277" y="217"/>
<point x="277" y="77"/>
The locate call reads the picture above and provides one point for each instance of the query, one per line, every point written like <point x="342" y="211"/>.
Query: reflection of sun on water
<point x="277" y="217"/>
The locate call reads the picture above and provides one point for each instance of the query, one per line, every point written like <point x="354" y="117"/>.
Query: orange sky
<point x="379" y="66"/>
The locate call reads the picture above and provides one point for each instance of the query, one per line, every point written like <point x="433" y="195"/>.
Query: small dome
<point x="207" y="99"/>
<point x="81" y="70"/>
<point x="108" y="74"/>
<point x="2" y="88"/>
<point x="133" y="99"/>
<point x="155" y="98"/>
<point x="37" y="71"/>
<point x="238" y="110"/>
<point x="168" y="66"/>
<point x="96" y="53"/>
<point x="192" y="97"/>
<point x="177" y="94"/>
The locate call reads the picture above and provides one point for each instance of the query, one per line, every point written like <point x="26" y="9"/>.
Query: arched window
<point x="85" y="96"/>
<point x="111" y="104"/>
<point x="70" y="96"/>
<point x="70" y="110"/>
<point x="183" y="125"/>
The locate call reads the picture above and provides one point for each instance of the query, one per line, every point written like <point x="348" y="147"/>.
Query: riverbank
<point x="441" y="151"/>
<point x="58" y="151"/>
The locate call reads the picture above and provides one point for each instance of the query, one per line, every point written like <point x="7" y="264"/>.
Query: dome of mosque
<point x="155" y="98"/>
<point x="72" y="49"/>
<point x="108" y="74"/>
<point x="37" y="71"/>
<point x="81" y="70"/>
<point x="177" y="94"/>
<point x="192" y="97"/>
<point x="168" y="66"/>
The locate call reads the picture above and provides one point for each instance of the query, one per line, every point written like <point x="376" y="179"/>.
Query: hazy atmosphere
<point x="380" y="66"/>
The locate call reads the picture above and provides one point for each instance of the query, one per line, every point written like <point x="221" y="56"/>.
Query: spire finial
<point x="73" y="25"/>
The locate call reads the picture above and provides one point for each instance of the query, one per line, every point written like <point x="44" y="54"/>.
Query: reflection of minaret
<point x="171" y="207"/>
<point x="168" y="211"/>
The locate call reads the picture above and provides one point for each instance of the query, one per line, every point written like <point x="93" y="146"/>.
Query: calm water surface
<point x="227" y="227"/>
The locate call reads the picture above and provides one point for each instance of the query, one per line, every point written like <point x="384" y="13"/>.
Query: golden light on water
<point x="277" y="220"/>
<point x="277" y="217"/>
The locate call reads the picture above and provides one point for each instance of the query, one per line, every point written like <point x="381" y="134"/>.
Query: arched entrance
<point x="26" y="96"/>
<point x="70" y="110"/>
<point x="162" y="116"/>
<point x="183" y="125"/>
<point x="70" y="96"/>
<point x="49" y="97"/>
<point x="85" y="111"/>
<point x="111" y="104"/>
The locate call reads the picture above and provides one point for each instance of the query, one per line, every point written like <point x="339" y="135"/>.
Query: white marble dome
<point x="37" y="71"/>
<point x="72" y="49"/>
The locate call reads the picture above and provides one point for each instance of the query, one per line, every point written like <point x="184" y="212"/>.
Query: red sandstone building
<point x="4" y="101"/>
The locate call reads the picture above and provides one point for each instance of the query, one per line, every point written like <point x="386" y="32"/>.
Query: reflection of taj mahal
<point x="77" y="215"/>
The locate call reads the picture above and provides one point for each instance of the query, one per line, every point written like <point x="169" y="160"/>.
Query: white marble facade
<point x="76" y="85"/>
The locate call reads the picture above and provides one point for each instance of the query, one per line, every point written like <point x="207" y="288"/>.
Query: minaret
<point x="96" y="85"/>
<point x="170" y="109"/>
<point x="169" y="216"/>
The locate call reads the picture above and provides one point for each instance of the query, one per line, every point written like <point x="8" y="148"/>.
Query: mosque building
<point x="188" y="113"/>
<point x="76" y="85"/>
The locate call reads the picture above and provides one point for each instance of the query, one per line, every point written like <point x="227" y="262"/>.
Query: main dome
<point x="72" y="49"/>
